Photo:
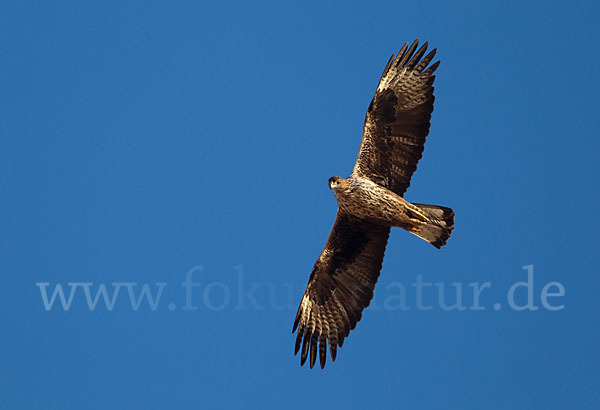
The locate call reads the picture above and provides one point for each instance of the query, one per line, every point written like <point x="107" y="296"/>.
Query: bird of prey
<point x="370" y="202"/>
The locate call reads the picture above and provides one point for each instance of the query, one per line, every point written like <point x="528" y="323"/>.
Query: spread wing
<point x="397" y="120"/>
<point x="340" y="286"/>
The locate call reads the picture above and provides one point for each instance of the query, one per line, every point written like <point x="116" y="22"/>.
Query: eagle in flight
<point x="370" y="202"/>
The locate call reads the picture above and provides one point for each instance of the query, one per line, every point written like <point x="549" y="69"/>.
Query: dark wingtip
<point x="414" y="61"/>
<point x="322" y="352"/>
<point x="333" y="350"/>
<point x="298" y="341"/>
<point x="409" y="53"/>
<point x="304" y="353"/>
<point x="432" y="69"/>
<point x="400" y="53"/>
<point x="313" y="352"/>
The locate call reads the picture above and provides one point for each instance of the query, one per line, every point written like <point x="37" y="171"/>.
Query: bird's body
<point x="370" y="203"/>
<point x="365" y="199"/>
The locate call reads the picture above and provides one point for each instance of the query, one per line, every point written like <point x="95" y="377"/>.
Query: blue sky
<point x="145" y="142"/>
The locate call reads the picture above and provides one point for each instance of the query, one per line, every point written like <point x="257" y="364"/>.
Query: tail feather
<point x="439" y="225"/>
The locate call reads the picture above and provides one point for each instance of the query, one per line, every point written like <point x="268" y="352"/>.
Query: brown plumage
<point x="370" y="203"/>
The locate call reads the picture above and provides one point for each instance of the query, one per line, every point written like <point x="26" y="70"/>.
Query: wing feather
<point x="398" y="119"/>
<point x="340" y="287"/>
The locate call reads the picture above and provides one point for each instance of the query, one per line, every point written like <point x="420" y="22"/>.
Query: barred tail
<point x="438" y="227"/>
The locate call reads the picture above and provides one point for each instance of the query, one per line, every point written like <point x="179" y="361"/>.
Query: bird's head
<point x="336" y="182"/>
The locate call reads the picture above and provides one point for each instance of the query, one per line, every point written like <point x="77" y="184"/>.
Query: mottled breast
<point x="367" y="200"/>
